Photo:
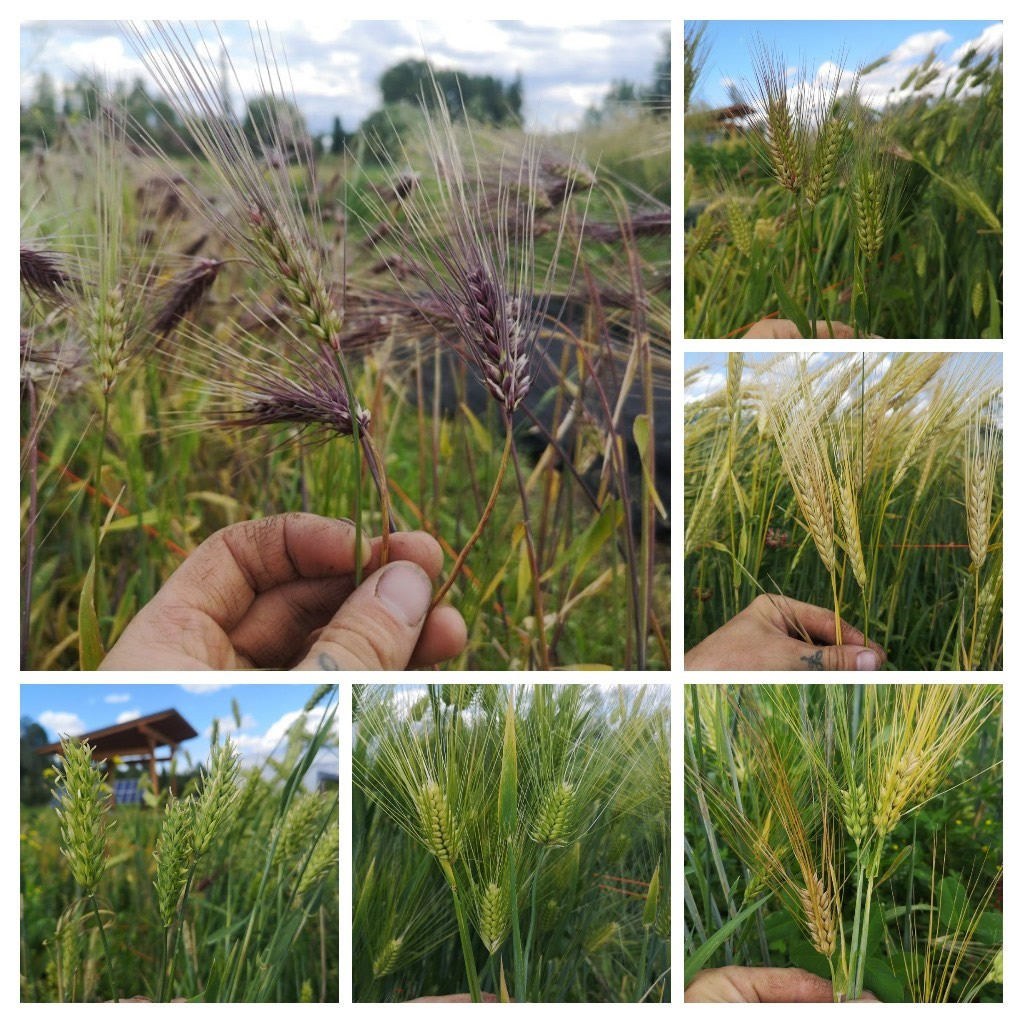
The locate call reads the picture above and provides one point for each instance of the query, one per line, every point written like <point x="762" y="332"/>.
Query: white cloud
<point x="702" y="385"/>
<point x="63" y="723"/>
<point x="117" y="698"/>
<point x="920" y="45"/>
<point x="227" y="725"/>
<point x="990" y="40"/>
<point x="254" y="746"/>
<point x="128" y="716"/>
<point x="204" y="687"/>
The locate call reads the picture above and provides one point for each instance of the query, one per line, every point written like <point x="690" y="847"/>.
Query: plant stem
<point x="30" y="533"/>
<point x="531" y="554"/>
<point x="97" y="512"/>
<point x="519" y="966"/>
<point x="467" y="944"/>
<point x="641" y="973"/>
<point x="533" y="908"/>
<point x="862" y="951"/>
<point x="106" y="948"/>
<point x="855" y="936"/>
<point x="177" y="931"/>
<point x="475" y="536"/>
<point x="835" y="602"/>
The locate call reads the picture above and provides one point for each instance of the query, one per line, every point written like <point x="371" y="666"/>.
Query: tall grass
<point x="227" y="893"/>
<point x="293" y="353"/>
<point x="889" y="221"/>
<point x="514" y="837"/>
<point x="853" y="818"/>
<point x="840" y="480"/>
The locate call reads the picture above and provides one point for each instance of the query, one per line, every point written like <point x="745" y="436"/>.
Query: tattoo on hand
<point x="814" y="662"/>
<point x="327" y="663"/>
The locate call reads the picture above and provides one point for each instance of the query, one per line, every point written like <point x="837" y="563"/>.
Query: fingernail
<point x="349" y="522"/>
<point x="405" y="591"/>
<point x="867" y="661"/>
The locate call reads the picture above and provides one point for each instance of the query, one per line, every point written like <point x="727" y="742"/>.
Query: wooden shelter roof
<point x="138" y="736"/>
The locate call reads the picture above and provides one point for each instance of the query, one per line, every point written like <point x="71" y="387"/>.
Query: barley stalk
<point x="215" y="808"/>
<point x="827" y="149"/>
<point x="551" y="826"/>
<point x="438" y="827"/>
<point x="323" y="860"/>
<point x="82" y="796"/>
<point x="981" y="453"/>
<point x="818" y="916"/>
<point x="173" y="854"/>
<point x="702" y="235"/>
<point x="739" y="227"/>
<point x="492" y="911"/>
<point x="851" y="530"/>
<point x="387" y="959"/>
<point x="897" y="788"/>
<point x="855" y="813"/>
<point x="868" y="205"/>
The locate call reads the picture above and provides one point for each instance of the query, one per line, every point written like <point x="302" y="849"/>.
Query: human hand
<point x="281" y="593"/>
<point x="762" y="985"/>
<point x="767" y="635"/>
<point x="784" y="330"/>
<point x="462" y="997"/>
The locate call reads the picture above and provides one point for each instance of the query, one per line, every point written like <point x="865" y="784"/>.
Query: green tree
<point x="272" y="123"/>
<point x="35" y="789"/>
<point x="338" y="138"/>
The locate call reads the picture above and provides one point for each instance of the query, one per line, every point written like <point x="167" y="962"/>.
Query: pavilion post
<point x="152" y="767"/>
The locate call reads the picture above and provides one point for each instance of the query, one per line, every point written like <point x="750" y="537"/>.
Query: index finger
<point x="789" y="985"/>
<point x="222" y="577"/>
<point x="820" y="624"/>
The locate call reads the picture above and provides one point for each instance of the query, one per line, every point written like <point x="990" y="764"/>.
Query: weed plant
<point x="512" y="840"/>
<point x="890" y="221"/>
<point x="226" y="893"/>
<point x="210" y="339"/>
<point x="866" y="483"/>
<point x="854" y="831"/>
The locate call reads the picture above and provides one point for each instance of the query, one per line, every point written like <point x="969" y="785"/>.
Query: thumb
<point x="378" y="625"/>
<point x="849" y="658"/>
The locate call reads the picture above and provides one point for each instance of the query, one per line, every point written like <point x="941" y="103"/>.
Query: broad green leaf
<point x="90" y="644"/>
<point x="952" y="901"/>
<point x="642" y="439"/>
<point x="789" y="308"/>
<point x="480" y="432"/>
<point x="804" y="955"/>
<point x="880" y="979"/>
<point x="706" y="950"/>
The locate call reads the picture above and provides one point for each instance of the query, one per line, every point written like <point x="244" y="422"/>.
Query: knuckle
<point x="363" y="643"/>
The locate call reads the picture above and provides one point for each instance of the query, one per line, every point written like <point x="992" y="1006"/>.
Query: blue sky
<point x="566" y="65"/>
<point x="813" y="43"/>
<point x="268" y="710"/>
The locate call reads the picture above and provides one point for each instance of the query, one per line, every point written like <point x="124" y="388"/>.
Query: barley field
<point x="512" y="843"/>
<point x="460" y="329"/>
<point x="853" y="831"/>
<point x="869" y="484"/>
<point x="811" y="199"/>
<point x="226" y="893"/>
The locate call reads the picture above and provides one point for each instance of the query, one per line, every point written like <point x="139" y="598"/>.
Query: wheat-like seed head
<point x="387" y="959"/>
<point x="300" y="825"/>
<point x="437" y="823"/>
<point x="215" y="808"/>
<point x="868" y="205"/>
<point x="552" y="825"/>
<point x="780" y="118"/>
<point x="847" y="502"/>
<point x="855" y="813"/>
<point x="701" y="235"/>
<point x="173" y="854"/>
<point x="82" y="795"/>
<point x="600" y="936"/>
<point x="323" y="861"/>
<point x="817" y="906"/>
<point x="898" y="786"/>
<point x="492" y="913"/>
<point x="980" y="464"/>
<point x="827" y="150"/>
<point x="739" y="227"/>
